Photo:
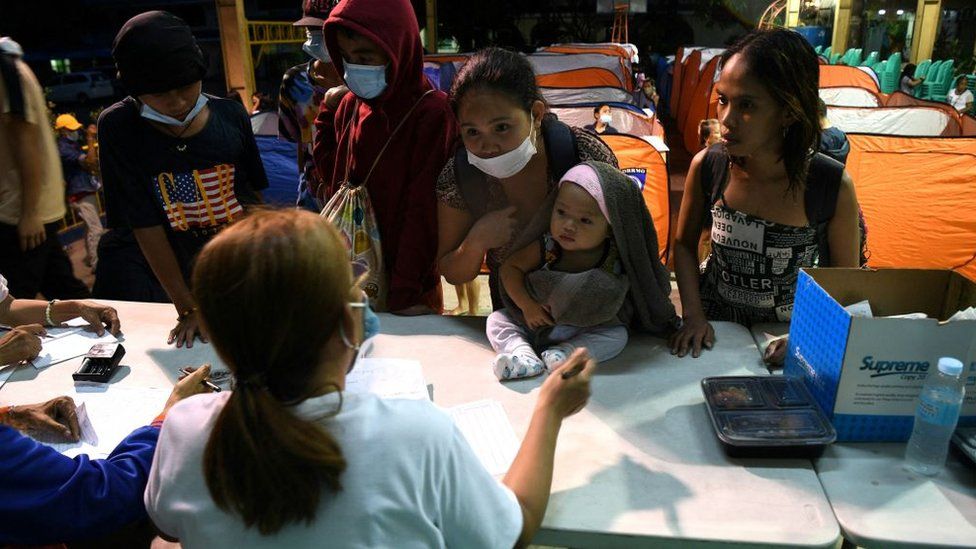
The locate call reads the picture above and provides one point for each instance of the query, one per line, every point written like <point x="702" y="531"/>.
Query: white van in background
<point x="79" y="87"/>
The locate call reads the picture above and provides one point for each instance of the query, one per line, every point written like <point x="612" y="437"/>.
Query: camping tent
<point x="624" y="120"/>
<point x="849" y="96"/>
<point x="580" y="78"/>
<point x="833" y="76"/>
<point x="553" y="63"/>
<point x="698" y="105"/>
<point x="644" y="164"/>
<point x="573" y="96"/>
<point x="917" y="199"/>
<point x="904" y="121"/>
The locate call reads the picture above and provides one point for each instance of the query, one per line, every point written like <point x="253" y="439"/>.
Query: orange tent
<point x="836" y="76"/>
<point x="676" y="76"/>
<point x="918" y="200"/>
<point x="579" y="78"/>
<point x="446" y="57"/>
<point x="698" y="105"/>
<point x="606" y="49"/>
<point x="689" y="79"/>
<point x="644" y="164"/>
<point x="901" y="99"/>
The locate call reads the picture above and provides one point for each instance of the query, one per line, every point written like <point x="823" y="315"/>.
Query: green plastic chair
<point x="826" y="52"/>
<point x="924" y="70"/>
<point x="817" y="49"/>
<point x="890" y="73"/>
<point x="834" y="58"/>
<point x="871" y="60"/>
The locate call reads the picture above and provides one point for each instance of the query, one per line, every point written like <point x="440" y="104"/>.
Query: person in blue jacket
<point x="45" y="496"/>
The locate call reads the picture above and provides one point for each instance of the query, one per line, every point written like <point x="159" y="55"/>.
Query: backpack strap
<point x="561" y="149"/>
<point x="714" y="168"/>
<point x="820" y="199"/>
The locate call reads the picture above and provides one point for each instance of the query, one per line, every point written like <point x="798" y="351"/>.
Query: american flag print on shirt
<point x="198" y="199"/>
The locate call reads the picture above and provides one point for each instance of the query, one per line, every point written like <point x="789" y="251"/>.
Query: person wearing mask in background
<point x="303" y="88"/>
<point x="82" y="187"/>
<point x="959" y="97"/>
<point x="601" y="121"/>
<point x="907" y="83"/>
<point x="647" y="96"/>
<point x="31" y="188"/>
<point x="178" y="166"/>
<point x="393" y="134"/>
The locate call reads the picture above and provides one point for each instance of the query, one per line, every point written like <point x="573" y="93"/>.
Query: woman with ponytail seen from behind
<point x="289" y="459"/>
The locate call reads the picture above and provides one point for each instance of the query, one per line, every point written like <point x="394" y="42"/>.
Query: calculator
<point x="100" y="363"/>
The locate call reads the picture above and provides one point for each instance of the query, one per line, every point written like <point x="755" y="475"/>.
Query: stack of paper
<point x="486" y="427"/>
<point x="388" y="378"/>
<point x="66" y="343"/>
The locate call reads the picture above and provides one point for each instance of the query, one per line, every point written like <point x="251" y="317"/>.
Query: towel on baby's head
<point x="640" y="297"/>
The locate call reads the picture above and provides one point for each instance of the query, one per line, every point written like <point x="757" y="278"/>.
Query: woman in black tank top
<point x="773" y="205"/>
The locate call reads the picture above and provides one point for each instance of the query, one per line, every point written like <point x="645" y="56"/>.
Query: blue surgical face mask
<point x="366" y="81"/>
<point x="315" y="45"/>
<point x="150" y="113"/>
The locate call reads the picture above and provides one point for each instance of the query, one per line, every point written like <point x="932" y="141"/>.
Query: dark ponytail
<point x="262" y="461"/>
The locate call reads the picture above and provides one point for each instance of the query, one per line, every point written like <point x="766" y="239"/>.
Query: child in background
<point x="569" y="287"/>
<point x="709" y="132"/>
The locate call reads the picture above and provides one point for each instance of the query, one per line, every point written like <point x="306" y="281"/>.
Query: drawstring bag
<point x="351" y="212"/>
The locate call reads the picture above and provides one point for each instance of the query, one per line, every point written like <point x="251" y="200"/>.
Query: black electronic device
<point x="100" y="363"/>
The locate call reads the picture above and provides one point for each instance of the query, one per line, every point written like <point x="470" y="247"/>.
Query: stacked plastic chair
<point x="936" y="86"/>
<point x="890" y="73"/>
<point x="870" y="61"/>
<point x="817" y="49"/>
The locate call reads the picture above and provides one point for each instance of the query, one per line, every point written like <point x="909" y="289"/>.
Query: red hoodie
<point x="401" y="187"/>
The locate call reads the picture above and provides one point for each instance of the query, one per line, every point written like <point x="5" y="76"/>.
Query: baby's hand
<point x="537" y="316"/>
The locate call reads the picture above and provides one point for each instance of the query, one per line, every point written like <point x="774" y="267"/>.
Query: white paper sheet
<point x="67" y="343"/>
<point x="487" y="428"/>
<point x="388" y="378"/>
<point x="113" y="413"/>
<point x="89" y="439"/>
<point x="6" y="372"/>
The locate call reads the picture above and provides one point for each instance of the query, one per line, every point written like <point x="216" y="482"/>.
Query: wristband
<point x="47" y="313"/>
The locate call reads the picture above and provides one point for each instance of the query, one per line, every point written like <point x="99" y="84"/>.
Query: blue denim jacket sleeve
<point x="46" y="497"/>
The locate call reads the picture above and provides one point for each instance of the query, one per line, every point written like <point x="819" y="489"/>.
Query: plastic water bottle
<point x="935" y="419"/>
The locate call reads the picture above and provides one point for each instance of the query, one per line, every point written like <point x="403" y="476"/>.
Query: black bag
<point x="820" y="198"/>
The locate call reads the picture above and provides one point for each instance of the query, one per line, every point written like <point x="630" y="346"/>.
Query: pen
<point x="213" y="387"/>
<point x="575" y="370"/>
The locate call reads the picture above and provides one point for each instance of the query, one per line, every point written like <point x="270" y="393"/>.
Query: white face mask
<point x="508" y="164"/>
<point x="315" y="45"/>
<point x="606" y="119"/>
<point x="152" y="114"/>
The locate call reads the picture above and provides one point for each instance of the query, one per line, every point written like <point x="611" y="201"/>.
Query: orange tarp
<point x="918" y="200"/>
<point x="833" y="76"/>
<point x="579" y="78"/>
<point x="643" y="163"/>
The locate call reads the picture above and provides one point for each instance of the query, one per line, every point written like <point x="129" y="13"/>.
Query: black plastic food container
<point x="760" y="416"/>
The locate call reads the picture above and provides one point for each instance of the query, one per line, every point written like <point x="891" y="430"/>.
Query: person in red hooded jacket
<point x="375" y="46"/>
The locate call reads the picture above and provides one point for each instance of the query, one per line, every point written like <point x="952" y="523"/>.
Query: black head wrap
<point x="155" y="52"/>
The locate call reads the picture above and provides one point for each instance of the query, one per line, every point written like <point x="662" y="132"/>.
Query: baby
<point x="579" y="240"/>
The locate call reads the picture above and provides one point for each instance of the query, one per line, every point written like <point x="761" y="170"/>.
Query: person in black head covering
<point x="178" y="165"/>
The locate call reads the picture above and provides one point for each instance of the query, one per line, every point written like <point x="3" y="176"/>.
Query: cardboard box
<point x="867" y="373"/>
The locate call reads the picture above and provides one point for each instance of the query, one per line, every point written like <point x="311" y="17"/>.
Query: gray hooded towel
<point x="639" y="299"/>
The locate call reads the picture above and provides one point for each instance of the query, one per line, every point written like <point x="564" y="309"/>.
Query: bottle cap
<point x="950" y="366"/>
